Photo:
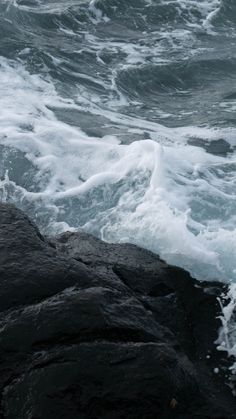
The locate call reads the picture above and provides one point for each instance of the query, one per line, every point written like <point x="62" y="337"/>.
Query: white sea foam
<point x="227" y="337"/>
<point x="96" y="14"/>
<point x="173" y="198"/>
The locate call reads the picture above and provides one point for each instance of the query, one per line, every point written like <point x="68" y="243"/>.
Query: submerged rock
<point x="90" y="330"/>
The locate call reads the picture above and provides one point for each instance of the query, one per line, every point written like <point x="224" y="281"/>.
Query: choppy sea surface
<point x="118" y="117"/>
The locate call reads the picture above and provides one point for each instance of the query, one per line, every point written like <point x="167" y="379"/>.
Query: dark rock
<point x="90" y="330"/>
<point x="218" y="147"/>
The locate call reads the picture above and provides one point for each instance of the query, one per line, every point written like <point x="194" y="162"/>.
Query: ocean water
<point x="118" y="117"/>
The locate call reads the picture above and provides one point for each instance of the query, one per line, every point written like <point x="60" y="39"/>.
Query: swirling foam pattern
<point x="118" y="117"/>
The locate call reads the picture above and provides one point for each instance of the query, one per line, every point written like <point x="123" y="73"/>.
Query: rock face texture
<point x="90" y="330"/>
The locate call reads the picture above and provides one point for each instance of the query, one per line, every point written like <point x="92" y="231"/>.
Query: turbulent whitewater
<point x="118" y="117"/>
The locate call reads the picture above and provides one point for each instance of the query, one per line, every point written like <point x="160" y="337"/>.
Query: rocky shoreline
<point x="91" y="330"/>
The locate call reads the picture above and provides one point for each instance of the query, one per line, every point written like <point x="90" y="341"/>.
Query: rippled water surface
<point x="118" y="117"/>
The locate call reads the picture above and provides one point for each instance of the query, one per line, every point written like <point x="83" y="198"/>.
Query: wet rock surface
<point x="90" y="330"/>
